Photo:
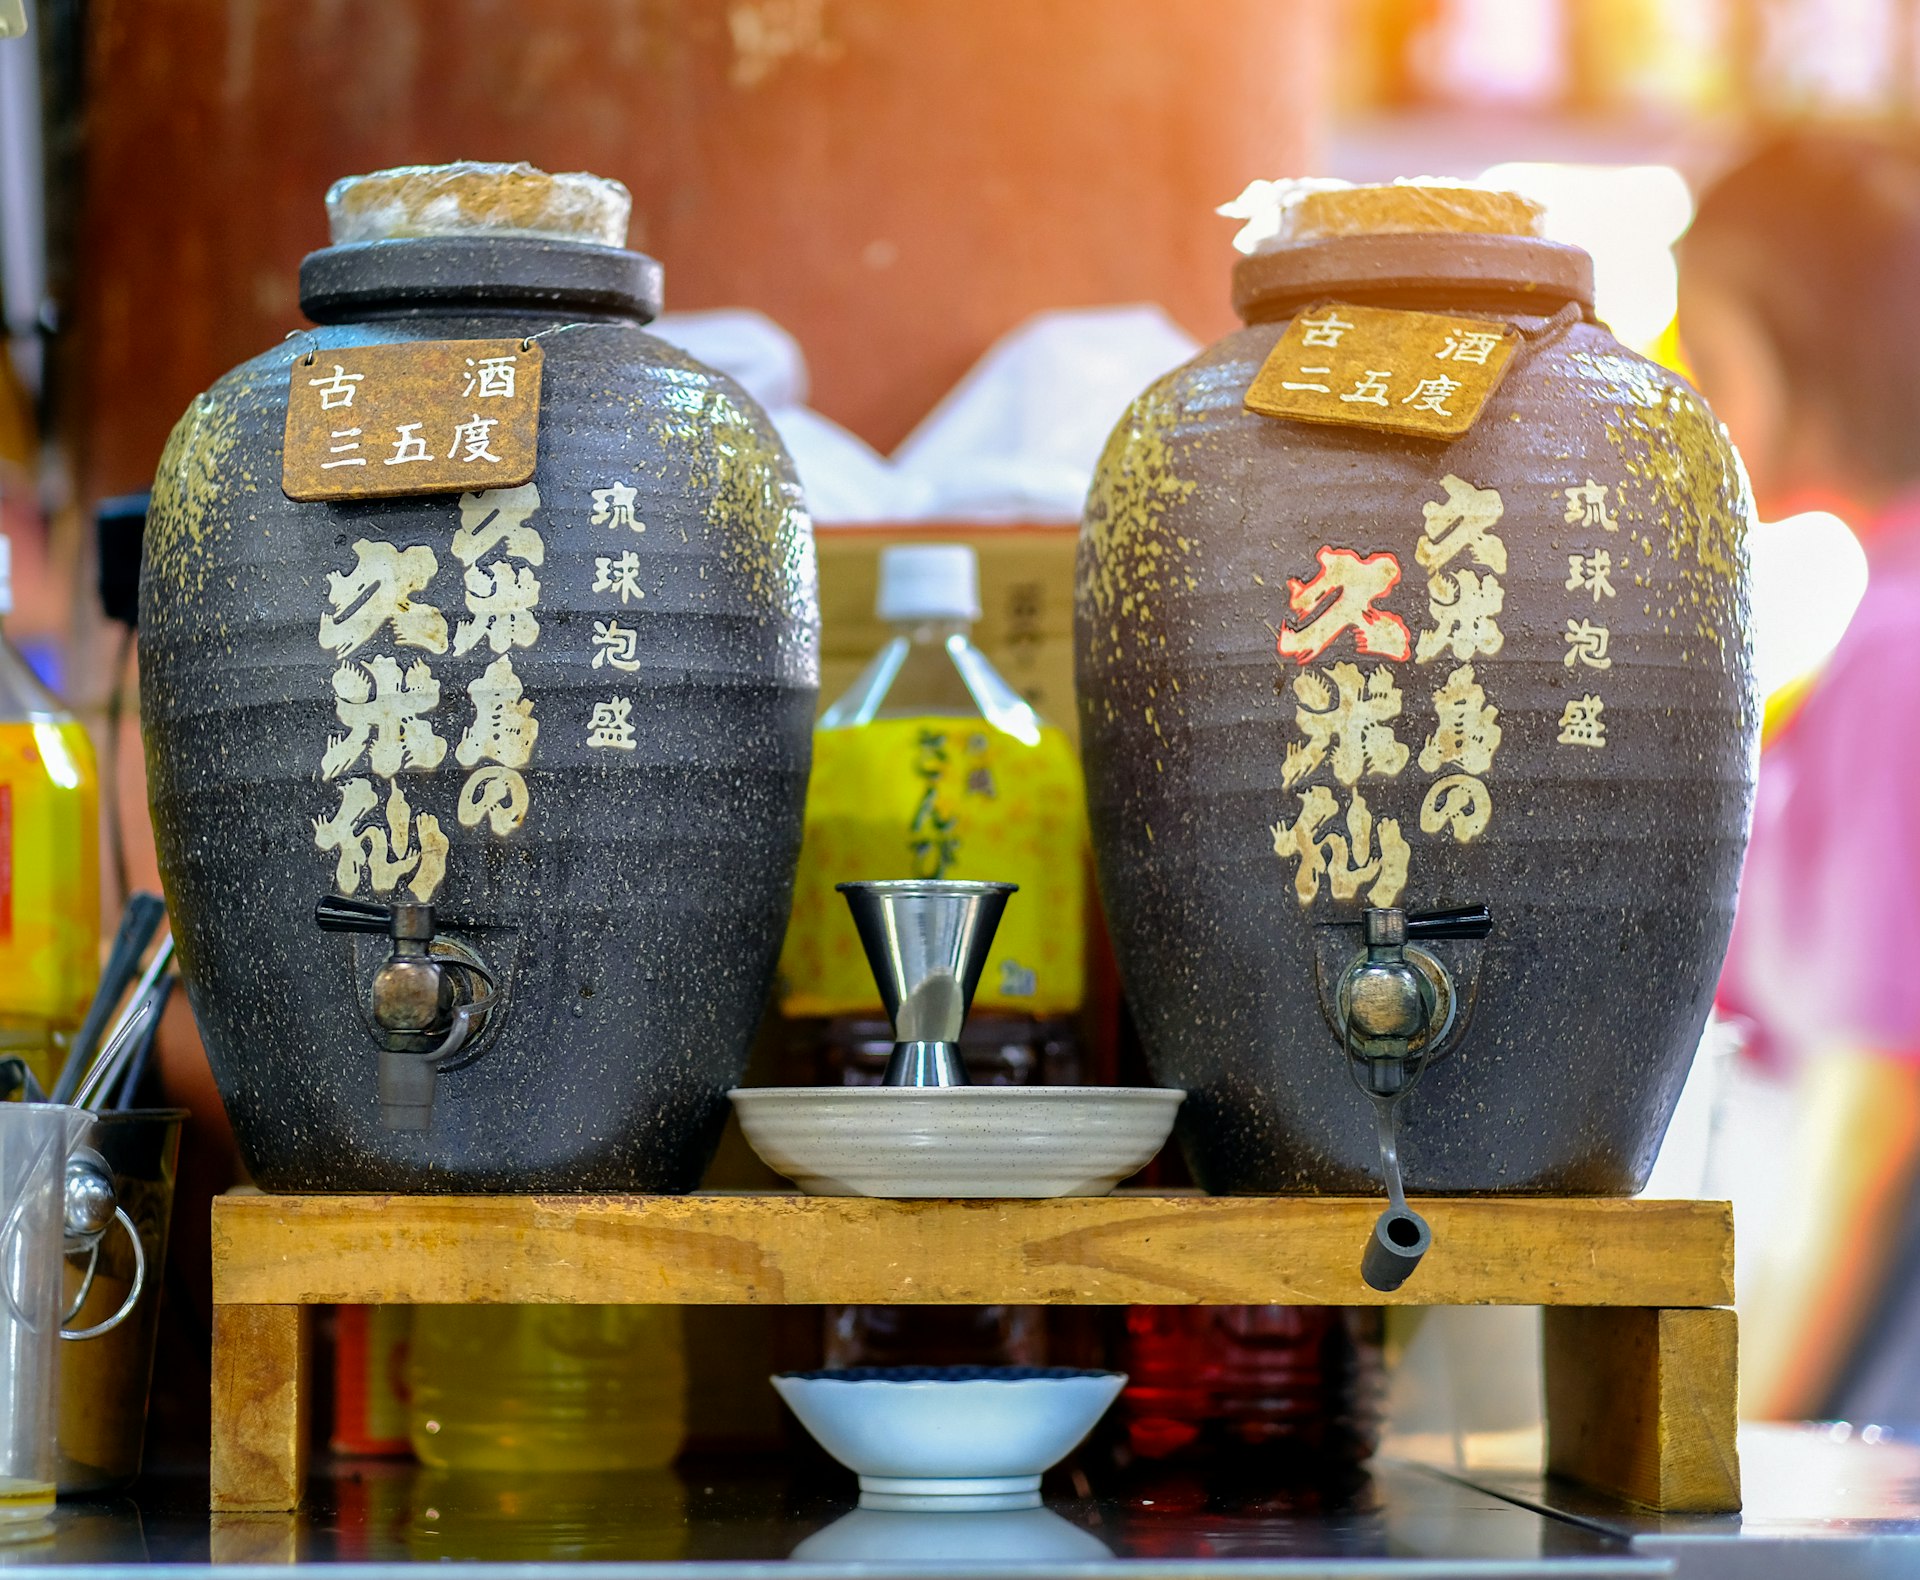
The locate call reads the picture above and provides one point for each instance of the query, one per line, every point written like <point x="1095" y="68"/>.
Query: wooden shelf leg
<point x="259" y="1408"/>
<point x="1641" y="1403"/>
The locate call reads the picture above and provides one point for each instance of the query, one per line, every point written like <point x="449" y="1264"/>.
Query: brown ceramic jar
<point x="1323" y="668"/>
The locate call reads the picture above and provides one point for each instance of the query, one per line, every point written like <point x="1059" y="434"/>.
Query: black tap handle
<point x="341" y="913"/>
<point x="1462" y="921"/>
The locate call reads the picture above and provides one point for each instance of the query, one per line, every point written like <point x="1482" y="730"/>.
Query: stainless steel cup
<point x="927" y="940"/>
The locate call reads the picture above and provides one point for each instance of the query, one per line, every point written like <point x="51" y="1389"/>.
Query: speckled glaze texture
<point x="1611" y="872"/>
<point x="633" y="918"/>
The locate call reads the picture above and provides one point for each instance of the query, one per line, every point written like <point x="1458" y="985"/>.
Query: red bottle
<point x="1284" y="1389"/>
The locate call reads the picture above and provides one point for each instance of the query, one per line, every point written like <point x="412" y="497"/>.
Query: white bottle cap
<point x="928" y="581"/>
<point x="6" y="574"/>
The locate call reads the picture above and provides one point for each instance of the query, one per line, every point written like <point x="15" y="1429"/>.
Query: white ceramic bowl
<point x="949" y="1437"/>
<point x="956" y="1140"/>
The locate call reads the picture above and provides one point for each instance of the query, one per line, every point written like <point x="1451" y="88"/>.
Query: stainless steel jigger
<point x="927" y="941"/>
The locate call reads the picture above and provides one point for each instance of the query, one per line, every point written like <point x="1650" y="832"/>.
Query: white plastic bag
<point x="845" y="479"/>
<point x="1018" y="437"/>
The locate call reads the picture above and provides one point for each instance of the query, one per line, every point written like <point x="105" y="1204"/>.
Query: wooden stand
<point x="1639" y="1346"/>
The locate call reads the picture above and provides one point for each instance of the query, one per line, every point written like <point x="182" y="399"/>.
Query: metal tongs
<point x="129" y="1036"/>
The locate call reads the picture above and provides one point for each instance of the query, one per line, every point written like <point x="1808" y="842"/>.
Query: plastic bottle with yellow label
<point x="932" y="766"/>
<point x="49" y="863"/>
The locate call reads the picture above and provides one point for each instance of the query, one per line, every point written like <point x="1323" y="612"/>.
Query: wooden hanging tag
<point x="1384" y="368"/>
<point x="418" y="417"/>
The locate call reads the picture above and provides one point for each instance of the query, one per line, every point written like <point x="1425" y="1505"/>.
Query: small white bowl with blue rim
<point x="955" y="1438"/>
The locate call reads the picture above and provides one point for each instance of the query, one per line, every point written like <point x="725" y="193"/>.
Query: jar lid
<point x="468" y="198"/>
<point x="1435" y="270"/>
<point x="470" y="235"/>
<point x="1427" y="242"/>
<point x="1409" y="207"/>
<point x="1278" y="213"/>
<point x="454" y="273"/>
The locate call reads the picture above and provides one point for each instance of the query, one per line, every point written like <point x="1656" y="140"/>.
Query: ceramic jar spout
<point x="427" y="1001"/>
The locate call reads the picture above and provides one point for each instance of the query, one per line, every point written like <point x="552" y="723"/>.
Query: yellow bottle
<point x="932" y="766"/>
<point x="49" y="863"/>
<point x="547" y="1388"/>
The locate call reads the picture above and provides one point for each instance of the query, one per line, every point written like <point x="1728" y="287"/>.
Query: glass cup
<point x="36" y="1140"/>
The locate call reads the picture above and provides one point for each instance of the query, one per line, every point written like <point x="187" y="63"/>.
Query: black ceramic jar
<point x="573" y="717"/>
<point x="1324" y="669"/>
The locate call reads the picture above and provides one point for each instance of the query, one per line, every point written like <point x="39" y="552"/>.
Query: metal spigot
<point x="1389" y="1004"/>
<point x="1397" y="1003"/>
<point x="427" y="1005"/>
